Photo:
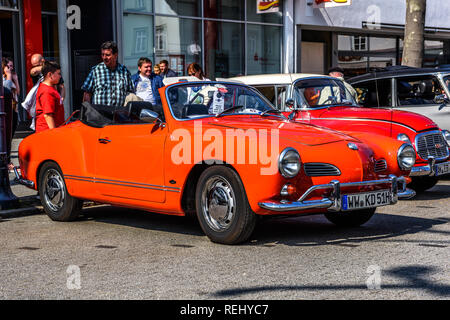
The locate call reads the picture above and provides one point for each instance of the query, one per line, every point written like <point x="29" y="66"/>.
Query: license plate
<point x="360" y="201"/>
<point x="442" y="168"/>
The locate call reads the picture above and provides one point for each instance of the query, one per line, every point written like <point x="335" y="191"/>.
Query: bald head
<point x="37" y="60"/>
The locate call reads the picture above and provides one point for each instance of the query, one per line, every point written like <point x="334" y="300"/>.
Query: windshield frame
<point x="255" y="91"/>
<point x="303" y="106"/>
<point x="442" y="77"/>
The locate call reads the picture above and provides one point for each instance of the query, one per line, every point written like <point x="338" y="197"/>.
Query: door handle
<point x="104" y="141"/>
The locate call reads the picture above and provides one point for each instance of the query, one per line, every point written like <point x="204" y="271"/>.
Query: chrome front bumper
<point x="333" y="202"/>
<point x="427" y="170"/>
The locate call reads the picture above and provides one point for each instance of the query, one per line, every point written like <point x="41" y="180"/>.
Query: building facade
<point x="226" y="37"/>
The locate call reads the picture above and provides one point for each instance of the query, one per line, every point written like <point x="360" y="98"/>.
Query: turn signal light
<point x="288" y="190"/>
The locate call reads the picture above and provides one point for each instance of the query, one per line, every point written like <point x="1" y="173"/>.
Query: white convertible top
<point x="278" y="78"/>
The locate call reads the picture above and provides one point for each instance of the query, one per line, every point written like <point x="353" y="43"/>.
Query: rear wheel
<point x="421" y="184"/>
<point x="350" y="218"/>
<point x="57" y="202"/>
<point x="222" y="206"/>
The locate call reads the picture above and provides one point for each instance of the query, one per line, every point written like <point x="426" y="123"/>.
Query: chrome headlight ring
<point x="406" y="156"/>
<point x="289" y="163"/>
<point x="404" y="137"/>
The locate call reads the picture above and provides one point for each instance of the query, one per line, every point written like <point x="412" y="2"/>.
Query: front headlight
<point x="406" y="157"/>
<point x="403" y="137"/>
<point x="289" y="163"/>
<point x="446" y="135"/>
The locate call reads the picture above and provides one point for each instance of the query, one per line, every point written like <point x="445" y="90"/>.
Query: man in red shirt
<point x="49" y="107"/>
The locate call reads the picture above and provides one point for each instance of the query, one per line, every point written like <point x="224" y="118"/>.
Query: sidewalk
<point x="28" y="202"/>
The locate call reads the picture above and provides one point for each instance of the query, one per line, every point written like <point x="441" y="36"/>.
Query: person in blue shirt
<point x="147" y="83"/>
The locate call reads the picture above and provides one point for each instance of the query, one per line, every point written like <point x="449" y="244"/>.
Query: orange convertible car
<point x="215" y="149"/>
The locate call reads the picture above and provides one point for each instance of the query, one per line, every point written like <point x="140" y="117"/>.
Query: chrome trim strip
<point x="364" y="119"/>
<point x="123" y="183"/>
<point x="333" y="203"/>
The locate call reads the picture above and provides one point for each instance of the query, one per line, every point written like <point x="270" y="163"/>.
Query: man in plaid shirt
<point x="109" y="82"/>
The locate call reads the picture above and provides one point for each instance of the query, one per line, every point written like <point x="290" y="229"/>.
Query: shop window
<point x="138" y="5"/>
<point x="49" y="5"/>
<point x="11" y="4"/>
<point x="224" y="49"/>
<point x="264" y="54"/>
<point x="137" y="39"/>
<point x="225" y="9"/>
<point x="179" y="8"/>
<point x="178" y="41"/>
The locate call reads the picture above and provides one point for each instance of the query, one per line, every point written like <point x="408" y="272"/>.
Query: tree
<point x="413" y="46"/>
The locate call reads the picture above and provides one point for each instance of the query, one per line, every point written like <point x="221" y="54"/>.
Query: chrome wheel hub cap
<point x="54" y="190"/>
<point x="218" y="203"/>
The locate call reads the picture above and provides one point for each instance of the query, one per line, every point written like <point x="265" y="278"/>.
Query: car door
<point x="418" y="94"/>
<point x="130" y="162"/>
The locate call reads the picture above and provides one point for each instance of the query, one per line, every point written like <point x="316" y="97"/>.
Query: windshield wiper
<point x="228" y="110"/>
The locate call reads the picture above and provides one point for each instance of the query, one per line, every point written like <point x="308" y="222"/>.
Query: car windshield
<point x="316" y="93"/>
<point x="194" y="100"/>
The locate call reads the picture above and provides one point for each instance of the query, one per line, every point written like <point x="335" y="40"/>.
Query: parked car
<point x="325" y="101"/>
<point x="218" y="151"/>
<point x="425" y="91"/>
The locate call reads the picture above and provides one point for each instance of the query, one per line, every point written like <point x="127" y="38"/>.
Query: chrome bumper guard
<point x="20" y="180"/>
<point x="427" y="170"/>
<point x="333" y="203"/>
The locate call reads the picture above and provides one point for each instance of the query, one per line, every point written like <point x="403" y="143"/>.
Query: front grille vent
<point x="380" y="165"/>
<point x="432" y="145"/>
<point x="321" y="170"/>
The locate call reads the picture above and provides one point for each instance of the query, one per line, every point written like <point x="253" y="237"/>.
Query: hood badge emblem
<point x="353" y="146"/>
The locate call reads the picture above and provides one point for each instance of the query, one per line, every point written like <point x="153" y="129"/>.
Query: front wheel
<point x="350" y="218"/>
<point x="222" y="206"/>
<point x="57" y="202"/>
<point x="421" y="184"/>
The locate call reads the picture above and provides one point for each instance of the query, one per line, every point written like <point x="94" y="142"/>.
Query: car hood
<point x="414" y="121"/>
<point x="290" y="131"/>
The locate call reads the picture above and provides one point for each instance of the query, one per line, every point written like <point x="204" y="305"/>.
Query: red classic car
<point x="328" y="102"/>
<point x="215" y="150"/>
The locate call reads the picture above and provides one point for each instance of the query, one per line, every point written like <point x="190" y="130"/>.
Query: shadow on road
<point x="143" y="220"/>
<point x="414" y="277"/>
<point x="317" y="231"/>
<point x="296" y="231"/>
<point x="439" y="192"/>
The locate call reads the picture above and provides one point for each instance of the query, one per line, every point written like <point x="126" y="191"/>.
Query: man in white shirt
<point x="146" y="82"/>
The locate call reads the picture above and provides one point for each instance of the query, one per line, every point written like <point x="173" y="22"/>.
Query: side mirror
<point x="290" y="103"/>
<point x="149" y="116"/>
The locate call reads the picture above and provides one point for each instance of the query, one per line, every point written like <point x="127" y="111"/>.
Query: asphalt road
<point x="113" y="253"/>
